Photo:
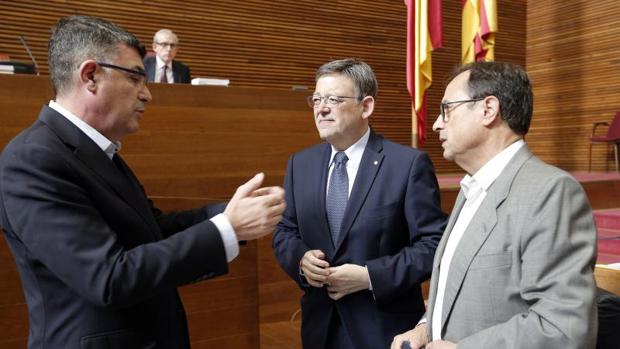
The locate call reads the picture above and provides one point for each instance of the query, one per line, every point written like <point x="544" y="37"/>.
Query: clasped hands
<point x="253" y="211"/>
<point x="340" y="280"/>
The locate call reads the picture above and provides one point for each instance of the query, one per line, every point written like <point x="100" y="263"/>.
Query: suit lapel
<point x="319" y="180"/>
<point x="460" y="201"/>
<point x="366" y="173"/>
<point x="476" y="233"/>
<point x="479" y="228"/>
<point x="176" y="74"/>
<point x="102" y="167"/>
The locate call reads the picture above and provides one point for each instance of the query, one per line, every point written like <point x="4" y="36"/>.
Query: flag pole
<point x="414" y="126"/>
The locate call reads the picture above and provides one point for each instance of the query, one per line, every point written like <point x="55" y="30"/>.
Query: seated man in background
<point x="163" y="68"/>
<point x="362" y="222"/>
<point x="99" y="263"/>
<point x="514" y="268"/>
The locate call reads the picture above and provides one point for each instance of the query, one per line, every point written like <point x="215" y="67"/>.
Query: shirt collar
<point x="355" y="151"/>
<point x="160" y="64"/>
<point x="109" y="147"/>
<point x="488" y="173"/>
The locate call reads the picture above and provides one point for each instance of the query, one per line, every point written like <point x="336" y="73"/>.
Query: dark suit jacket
<point x="99" y="264"/>
<point x="393" y="223"/>
<point x="181" y="72"/>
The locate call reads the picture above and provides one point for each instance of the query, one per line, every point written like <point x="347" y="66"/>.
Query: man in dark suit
<point x="162" y="67"/>
<point x="99" y="264"/>
<point x="362" y="222"/>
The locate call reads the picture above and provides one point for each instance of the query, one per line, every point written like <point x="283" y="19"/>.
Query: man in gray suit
<point x="514" y="266"/>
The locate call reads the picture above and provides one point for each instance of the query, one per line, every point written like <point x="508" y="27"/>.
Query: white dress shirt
<point x="354" y="154"/>
<point x="159" y="69"/>
<point x="229" y="238"/>
<point x="475" y="189"/>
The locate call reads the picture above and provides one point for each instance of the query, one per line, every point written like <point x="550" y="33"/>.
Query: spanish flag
<point x="424" y="34"/>
<point x="479" y="25"/>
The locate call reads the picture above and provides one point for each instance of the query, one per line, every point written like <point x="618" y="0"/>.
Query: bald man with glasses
<point x="163" y="68"/>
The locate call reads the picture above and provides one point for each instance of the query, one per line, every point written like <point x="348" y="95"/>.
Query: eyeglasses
<point x="332" y="101"/>
<point x="444" y="105"/>
<point x="172" y="45"/>
<point x="138" y="76"/>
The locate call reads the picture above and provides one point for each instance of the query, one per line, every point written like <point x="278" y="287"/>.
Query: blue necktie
<point x="337" y="194"/>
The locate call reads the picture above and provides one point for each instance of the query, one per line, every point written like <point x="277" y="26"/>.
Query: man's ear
<point x="87" y="75"/>
<point x="491" y="110"/>
<point x="368" y="105"/>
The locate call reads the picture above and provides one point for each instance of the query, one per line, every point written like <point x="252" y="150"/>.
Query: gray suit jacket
<point x="522" y="274"/>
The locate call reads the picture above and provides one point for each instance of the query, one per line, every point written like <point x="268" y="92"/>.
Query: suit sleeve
<point x="558" y="250"/>
<point x="184" y="73"/>
<point x="288" y="245"/>
<point x="176" y="221"/>
<point x="397" y="274"/>
<point x="62" y="228"/>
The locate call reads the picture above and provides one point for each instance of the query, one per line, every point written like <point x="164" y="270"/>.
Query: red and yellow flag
<point x="424" y="34"/>
<point x="479" y="25"/>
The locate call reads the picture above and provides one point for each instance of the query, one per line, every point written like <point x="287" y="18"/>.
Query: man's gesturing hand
<point x="253" y="211"/>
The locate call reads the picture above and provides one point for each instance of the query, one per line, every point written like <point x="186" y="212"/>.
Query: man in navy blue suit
<point x="362" y="221"/>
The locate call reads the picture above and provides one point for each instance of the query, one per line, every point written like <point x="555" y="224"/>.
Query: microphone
<point x="34" y="62"/>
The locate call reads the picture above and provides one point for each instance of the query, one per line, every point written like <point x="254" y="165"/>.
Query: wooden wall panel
<point x="572" y="58"/>
<point x="277" y="44"/>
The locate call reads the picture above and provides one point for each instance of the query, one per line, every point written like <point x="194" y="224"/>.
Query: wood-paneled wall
<point x="573" y="58"/>
<point x="277" y="44"/>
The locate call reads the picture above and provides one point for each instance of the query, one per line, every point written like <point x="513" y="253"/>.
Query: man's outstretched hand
<point x="253" y="211"/>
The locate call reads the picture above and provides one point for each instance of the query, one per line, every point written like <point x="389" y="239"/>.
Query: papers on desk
<point x="7" y="69"/>
<point x="210" y="81"/>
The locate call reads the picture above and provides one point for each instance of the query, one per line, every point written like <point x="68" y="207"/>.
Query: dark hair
<point x="509" y="83"/>
<point x="359" y="72"/>
<point x="78" y="38"/>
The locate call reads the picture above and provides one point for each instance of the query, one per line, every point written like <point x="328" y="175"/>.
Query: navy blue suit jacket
<point x="180" y="71"/>
<point x="392" y="224"/>
<point x="99" y="264"/>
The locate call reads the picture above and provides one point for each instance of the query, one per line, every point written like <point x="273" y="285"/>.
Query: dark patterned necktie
<point x="337" y="194"/>
<point x="164" y="75"/>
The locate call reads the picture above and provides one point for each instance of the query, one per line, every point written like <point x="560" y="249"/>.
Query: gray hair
<point x="78" y="38"/>
<point x="359" y="72"/>
<point x="165" y="31"/>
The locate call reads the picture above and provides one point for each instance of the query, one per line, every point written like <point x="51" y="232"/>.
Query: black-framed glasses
<point x="172" y="45"/>
<point x="331" y="101"/>
<point x="444" y="105"/>
<point x="138" y="74"/>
